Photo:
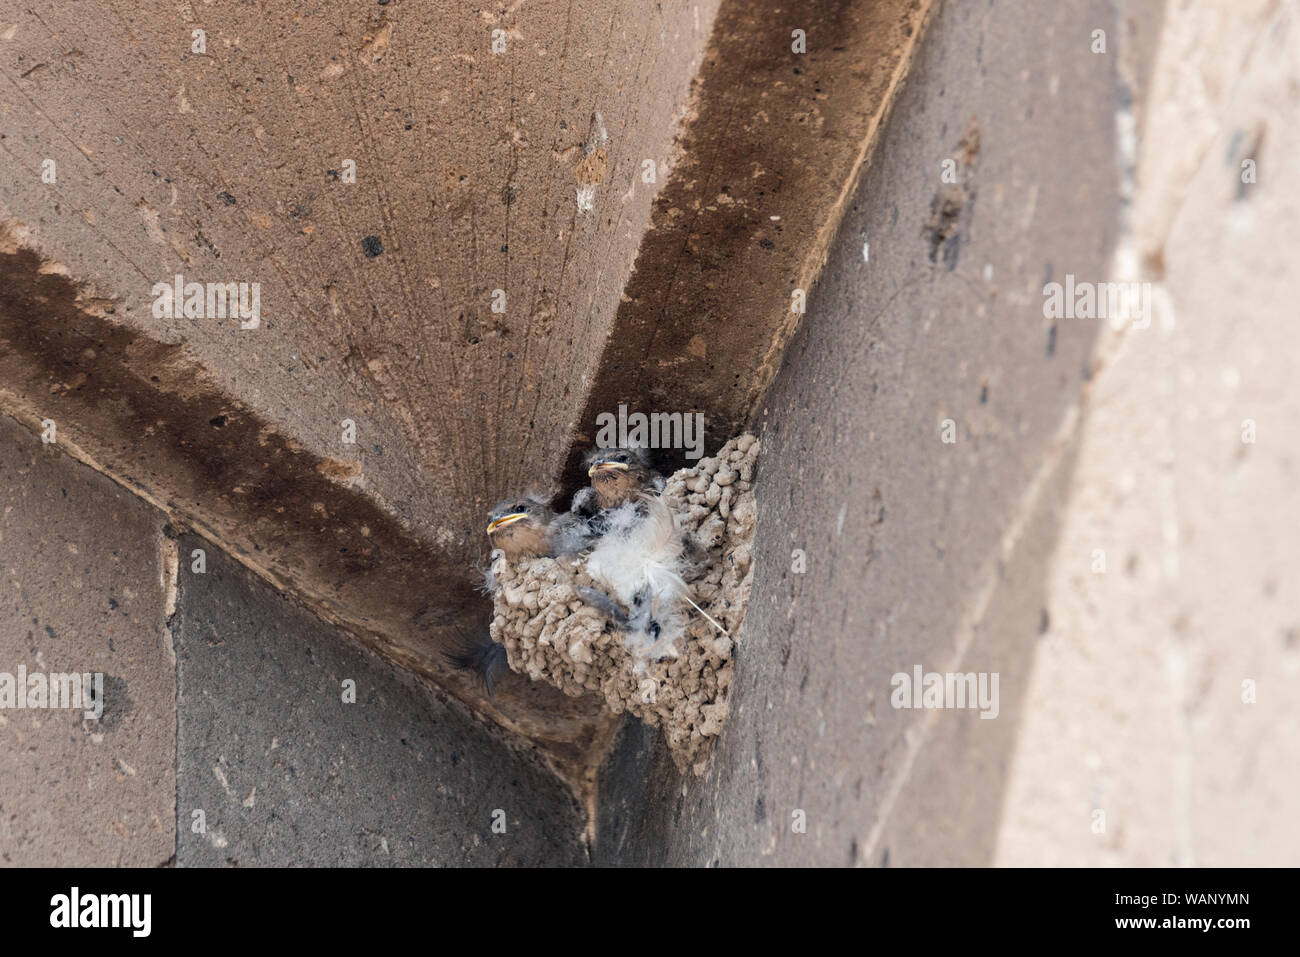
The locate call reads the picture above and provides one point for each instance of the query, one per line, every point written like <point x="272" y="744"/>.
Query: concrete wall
<point x="223" y="696"/>
<point x="84" y="586"/>
<point x="917" y="551"/>
<point x="290" y="764"/>
<point x="534" y="234"/>
<point x="1163" y="690"/>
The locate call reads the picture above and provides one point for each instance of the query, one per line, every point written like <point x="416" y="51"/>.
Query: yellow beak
<point x="505" y="520"/>
<point x="606" y="467"/>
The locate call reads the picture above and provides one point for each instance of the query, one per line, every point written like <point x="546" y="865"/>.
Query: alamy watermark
<point x="1120" y="302"/>
<point x="130" y="911"/>
<point x="56" y="690"/>
<point x="922" y="689"/>
<point x="208" y="300"/>
<point x="658" y="430"/>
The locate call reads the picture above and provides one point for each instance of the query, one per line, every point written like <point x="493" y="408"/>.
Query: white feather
<point x="638" y="549"/>
<point x="640" y="553"/>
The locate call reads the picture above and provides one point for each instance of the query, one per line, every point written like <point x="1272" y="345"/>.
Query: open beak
<point x="505" y="520"/>
<point x="606" y="467"/>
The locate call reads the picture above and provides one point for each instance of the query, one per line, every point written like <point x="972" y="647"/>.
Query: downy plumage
<point x="525" y="527"/>
<point x="638" y="561"/>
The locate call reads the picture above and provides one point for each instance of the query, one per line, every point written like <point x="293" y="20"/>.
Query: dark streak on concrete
<point x="272" y="504"/>
<point x="707" y="309"/>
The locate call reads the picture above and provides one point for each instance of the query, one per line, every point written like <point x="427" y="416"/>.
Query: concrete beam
<point x="492" y="276"/>
<point x="775" y="145"/>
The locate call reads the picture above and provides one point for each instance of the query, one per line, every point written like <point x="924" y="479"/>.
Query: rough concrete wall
<point x="85" y="587"/>
<point x="917" y="551"/>
<point x="275" y="506"/>
<point x="230" y="163"/>
<point x="1137" y="704"/>
<point x="1121" y="691"/>
<point x="224" y="155"/>
<point x="376" y="296"/>
<point x="289" y="773"/>
<point x="222" y="696"/>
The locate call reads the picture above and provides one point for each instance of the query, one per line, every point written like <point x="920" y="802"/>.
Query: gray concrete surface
<point x="379" y="171"/>
<point x="1137" y="705"/>
<point x="225" y="158"/>
<point x="287" y="773"/>
<point x="441" y="206"/>
<point x="83" y="589"/>
<point x="251" y="729"/>
<point x="912" y="544"/>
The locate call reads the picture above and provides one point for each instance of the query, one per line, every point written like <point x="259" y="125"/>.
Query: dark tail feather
<point x="605" y="605"/>
<point x="485" y="658"/>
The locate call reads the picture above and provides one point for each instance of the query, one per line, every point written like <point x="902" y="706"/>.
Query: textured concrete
<point x="287" y="773"/>
<point x="225" y="158"/>
<point x="1124" y="690"/>
<point x="83" y="586"/>
<point x="298" y="524"/>
<point x="949" y="800"/>
<point x="229" y="164"/>
<point x="464" y="302"/>
<point x="1138" y="705"/>
<point x="909" y="542"/>
<point x="769" y="156"/>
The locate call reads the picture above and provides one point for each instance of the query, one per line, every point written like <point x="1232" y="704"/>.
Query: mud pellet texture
<point x="551" y="635"/>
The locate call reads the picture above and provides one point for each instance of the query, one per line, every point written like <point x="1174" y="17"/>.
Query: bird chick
<point x="585" y="503"/>
<point x="521" y="528"/>
<point x="518" y="528"/>
<point x="526" y="527"/>
<point x="619" y="475"/>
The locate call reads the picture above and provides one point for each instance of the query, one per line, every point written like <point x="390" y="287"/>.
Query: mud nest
<point x="550" y="634"/>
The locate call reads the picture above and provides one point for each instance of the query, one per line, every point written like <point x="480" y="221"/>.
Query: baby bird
<point x="523" y="527"/>
<point x="585" y="503"/>
<point x="619" y="475"/>
<point x="526" y="527"/>
<point x="637" y="553"/>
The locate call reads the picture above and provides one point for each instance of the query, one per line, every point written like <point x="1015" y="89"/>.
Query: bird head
<point x="619" y="474"/>
<point x="520" y="527"/>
